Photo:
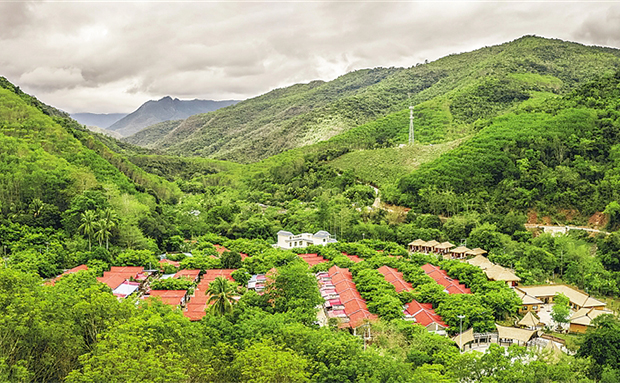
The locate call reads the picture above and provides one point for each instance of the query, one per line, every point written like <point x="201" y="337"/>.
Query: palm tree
<point x="220" y="291"/>
<point x="106" y="223"/>
<point x="88" y="225"/>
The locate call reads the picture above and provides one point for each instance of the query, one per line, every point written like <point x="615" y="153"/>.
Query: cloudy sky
<point x="112" y="56"/>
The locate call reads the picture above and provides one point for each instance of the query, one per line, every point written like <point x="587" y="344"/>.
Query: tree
<point x="221" y="292"/>
<point x="602" y="344"/>
<point x="88" y="226"/>
<point x="561" y="310"/>
<point x="265" y="362"/>
<point x="231" y="260"/>
<point x="107" y="222"/>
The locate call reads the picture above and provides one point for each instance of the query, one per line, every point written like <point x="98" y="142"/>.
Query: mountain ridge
<point x="442" y="91"/>
<point x="164" y="109"/>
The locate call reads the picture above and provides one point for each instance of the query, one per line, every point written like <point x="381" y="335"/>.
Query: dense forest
<point x="533" y="139"/>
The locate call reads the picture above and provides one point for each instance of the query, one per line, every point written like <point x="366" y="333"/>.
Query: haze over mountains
<point x="100" y="120"/>
<point x="165" y="109"/>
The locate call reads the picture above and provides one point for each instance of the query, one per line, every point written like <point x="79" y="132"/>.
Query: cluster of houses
<point x="420" y="313"/>
<point x="493" y="271"/>
<point x="124" y="280"/>
<point x="342" y="300"/>
<point x="585" y="307"/>
<point x="445" y="249"/>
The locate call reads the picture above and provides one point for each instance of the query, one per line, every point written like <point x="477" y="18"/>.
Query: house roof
<point x="354" y="258"/>
<point x="426" y="318"/>
<point x="457" y="289"/>
<point x="478" y="251"/>
<point x="127" y="269"/>
<point x="220" y="249"/>
<point x="395" y="278"/>
<point x="519" y="334"/>
<point x="480" y="261"/>
<point x="414" y="306"/>
<point x="585" y="316"/>
<point x="211" y="274"/>
<point x="321" y="234"/>
<point x="360" y="317"/>
<point x="444" y="246"/>
<point x="169" y="297"/>
<point x="126" y="288"/>
<point x="417" y="242"/>
<point x="528" y="299"/>
<point x="348" y="295"/>
<point x="499" y="273"/>
<point x="575" y="296"/>
<point x="194" y="315"/>
<point x="460" y="250"/>
<point x="284" y="232"/>
<point x="529" y="320"/>
<point x="432" y="243"/>
<point x="112" y="280"/>
<point x="191" y="274"/>
<point x="428" y="268"/>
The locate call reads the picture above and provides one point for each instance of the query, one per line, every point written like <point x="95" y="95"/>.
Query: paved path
<point x="563" y="229"/>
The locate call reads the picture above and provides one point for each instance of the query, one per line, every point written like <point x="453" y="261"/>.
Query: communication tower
<point x="411" y="131"/>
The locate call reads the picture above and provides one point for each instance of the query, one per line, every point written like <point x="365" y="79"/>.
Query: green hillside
<point x="149" y="137"/>
<point x="457" y="93"/>
<point x="547" y="154"/>
<point x="52" y="171"/>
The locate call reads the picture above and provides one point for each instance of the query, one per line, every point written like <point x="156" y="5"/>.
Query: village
<point x="345" y="308"/>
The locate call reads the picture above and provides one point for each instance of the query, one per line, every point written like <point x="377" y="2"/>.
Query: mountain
<point x="451" y="96"/>
<point x="153" y="112"/>
<point x="149" y="137"/>
<point x="52" y="170"/>
<point x="99" y="120"/>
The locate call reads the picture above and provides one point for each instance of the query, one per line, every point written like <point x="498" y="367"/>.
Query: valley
<point x="296" y="236"/>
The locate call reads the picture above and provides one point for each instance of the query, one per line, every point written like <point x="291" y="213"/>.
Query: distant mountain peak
<point x="165" y="109"/>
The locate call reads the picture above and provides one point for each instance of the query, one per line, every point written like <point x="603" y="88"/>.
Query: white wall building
<point x="288" y="240"/>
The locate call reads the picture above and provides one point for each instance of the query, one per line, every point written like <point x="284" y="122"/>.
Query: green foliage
<point x="266" y="362"/>
<point x="172" y="284"/>
<point x="601" y="344"/>
<point x="220" y="294"/>
<point x="144" y="258"/>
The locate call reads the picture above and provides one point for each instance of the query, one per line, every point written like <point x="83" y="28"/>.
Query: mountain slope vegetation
<point x="457" y="93"/>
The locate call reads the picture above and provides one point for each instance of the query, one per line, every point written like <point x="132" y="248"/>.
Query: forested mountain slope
<point x="550" y="153"/>
<point x="52" y="171"/>
<point x="455" y="95"/>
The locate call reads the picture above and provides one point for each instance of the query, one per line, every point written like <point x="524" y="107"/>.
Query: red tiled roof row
<point x="312" y="259"/>
<point x="70" y="271"/>
<point x="197" y="305"/>
<point x="354" y="305"/>
<point x="354" y="258"/>
<point x="395" y="278"/>
<point x="191" y="274"/>
<point x="452" y="286"/>
<point x="119" y="274"/>
<point x="169" y="297"/>
<point x="423" y="313"/>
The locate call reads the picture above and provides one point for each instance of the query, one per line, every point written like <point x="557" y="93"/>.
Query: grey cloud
<point x="111" y="57"/>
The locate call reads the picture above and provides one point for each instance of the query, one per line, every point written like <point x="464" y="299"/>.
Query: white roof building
<point x="288" y="240"/>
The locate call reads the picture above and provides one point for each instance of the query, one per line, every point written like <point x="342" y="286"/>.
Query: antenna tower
<point x="411" y="131"/>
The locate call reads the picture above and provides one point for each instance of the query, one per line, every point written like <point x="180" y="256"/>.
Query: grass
<point x="386" y="166"/>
